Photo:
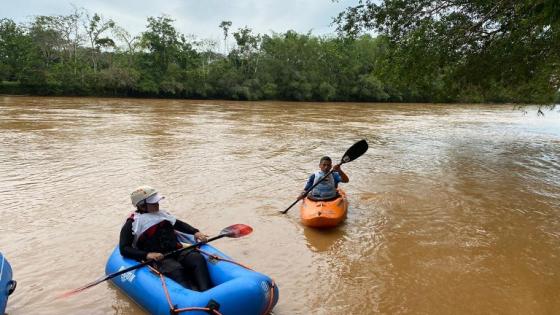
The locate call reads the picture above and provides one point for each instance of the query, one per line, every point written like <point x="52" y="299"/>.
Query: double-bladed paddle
<point x="233" y="231"/>
<point x="354" y="152"/>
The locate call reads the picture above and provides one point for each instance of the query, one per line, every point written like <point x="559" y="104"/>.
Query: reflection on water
<point x="320" y="240"/>
<point x="453" y="210"/>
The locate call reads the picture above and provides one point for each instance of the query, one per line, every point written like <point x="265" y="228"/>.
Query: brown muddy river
<point x="455" y="209"/>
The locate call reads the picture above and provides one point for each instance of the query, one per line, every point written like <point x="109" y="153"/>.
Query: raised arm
<point x="343" y="177"/>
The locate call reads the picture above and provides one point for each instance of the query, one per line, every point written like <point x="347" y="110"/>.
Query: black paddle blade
<point x="355" y="151"/>
<point x="237" y="230"/>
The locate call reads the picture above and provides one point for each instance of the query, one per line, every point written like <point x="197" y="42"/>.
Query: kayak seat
<point x="328" y="199"/>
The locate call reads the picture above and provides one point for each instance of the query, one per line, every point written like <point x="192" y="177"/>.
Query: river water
<point x="455" y="209"/>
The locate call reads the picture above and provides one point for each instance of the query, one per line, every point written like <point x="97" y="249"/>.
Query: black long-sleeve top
<point x="127" y="238"/>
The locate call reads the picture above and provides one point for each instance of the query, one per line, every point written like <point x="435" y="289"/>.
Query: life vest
<point x="153" y="231"/>
<point x="326" y="189"/>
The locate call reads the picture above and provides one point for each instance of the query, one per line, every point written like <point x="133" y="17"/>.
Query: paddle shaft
<point x="178" y="250"/>
<point x="107" y="277"/>
<point x="233" y="231"/>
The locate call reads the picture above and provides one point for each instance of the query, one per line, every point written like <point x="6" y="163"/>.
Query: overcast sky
<point x="198" y="17"/>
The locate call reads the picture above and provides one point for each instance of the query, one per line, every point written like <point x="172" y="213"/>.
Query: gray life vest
<point x="325" y="189"/>
<point x="144" y="221"/>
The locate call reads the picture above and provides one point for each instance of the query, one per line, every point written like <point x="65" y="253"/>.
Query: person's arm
<point x="307" y="186"/>
<point x="186" y="228"/>
<point x="309" y="182"/>
<point x="125" y="243"/>
<point x="343" y="177"/>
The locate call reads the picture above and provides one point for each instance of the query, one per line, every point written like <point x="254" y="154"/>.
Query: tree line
<point x="87" y="54"/>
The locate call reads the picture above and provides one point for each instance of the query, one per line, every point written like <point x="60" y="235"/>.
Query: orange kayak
<point x="324" y="214"/>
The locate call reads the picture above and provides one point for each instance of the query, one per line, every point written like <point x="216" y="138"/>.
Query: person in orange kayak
<point x="326" y="189"/>
<point x="149" y="232"/>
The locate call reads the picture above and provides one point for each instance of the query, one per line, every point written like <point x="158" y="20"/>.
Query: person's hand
<point x="302" y="195"/>
<point x="336" y="168"/>
<point x="201" y="237"/>
<point x="155" y="256"/>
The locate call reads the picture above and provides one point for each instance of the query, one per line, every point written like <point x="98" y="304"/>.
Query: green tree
<point x="49" y="40"/>
<point x="162" y="41"/>
<point x="225" y="25"/>
<point x="466" y="43"/>
<point x="170" y="57"/>
<point x="60" y="42"/>
<point x="131" y="42"/>
<point x="13" y="48"/>
<point x="95" y="27"/>
<point x="247" y="52"/>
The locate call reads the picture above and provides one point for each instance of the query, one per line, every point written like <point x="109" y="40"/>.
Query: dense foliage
<point x="466" y="49"/>
<point x="83" y="54"/>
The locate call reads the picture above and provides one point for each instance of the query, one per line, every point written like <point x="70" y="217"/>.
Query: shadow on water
<point x="320" y="240"/>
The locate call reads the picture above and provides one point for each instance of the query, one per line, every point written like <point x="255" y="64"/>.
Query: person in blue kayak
<point x="150" y="232"/>
<point x="326" y="189"/>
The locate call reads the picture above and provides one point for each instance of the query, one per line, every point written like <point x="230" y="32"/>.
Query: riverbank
<point x="15" y="88"/>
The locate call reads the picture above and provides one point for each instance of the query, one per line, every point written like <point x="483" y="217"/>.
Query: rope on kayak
<point x="211" y="310"/>
<point x="172" y="308"/>
<point x="270" y="302"/>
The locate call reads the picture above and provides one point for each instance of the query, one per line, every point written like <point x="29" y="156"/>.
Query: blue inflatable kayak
<point x="237" y="290"/>
<point x="7" y="285"/>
